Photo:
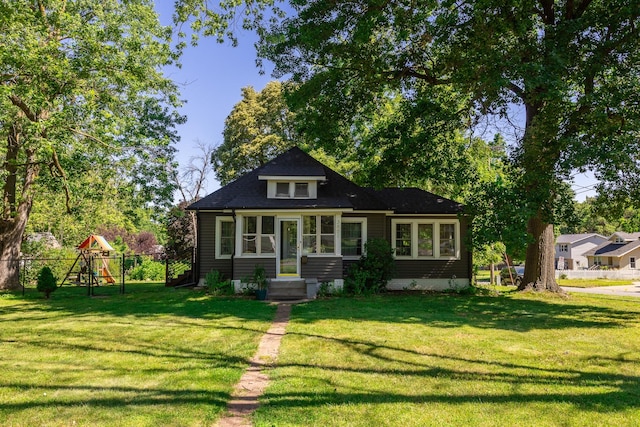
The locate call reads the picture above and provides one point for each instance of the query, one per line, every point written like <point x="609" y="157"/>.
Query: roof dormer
<point x="292" y="188"/>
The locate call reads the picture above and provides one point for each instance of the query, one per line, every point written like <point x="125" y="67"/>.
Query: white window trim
<point x="240" y="237"/>
<point x="563" y="247"/>
<point x="436" y="237"/>
<point x="354" y="220"/>
<point x="312" y="189"/>
<point x="219" y="221"/>
<point x="336" y="236"/>
<point x="634" y="262"/>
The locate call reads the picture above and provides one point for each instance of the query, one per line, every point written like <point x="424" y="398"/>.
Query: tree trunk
<point x="11" y="232"/>
<point x="539" y="271"/>
<point x="15" y="212"/>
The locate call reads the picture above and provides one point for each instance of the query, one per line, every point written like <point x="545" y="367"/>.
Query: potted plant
<point x="259" y="279"/>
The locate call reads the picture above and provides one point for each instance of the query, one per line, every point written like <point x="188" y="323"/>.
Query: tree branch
<point x="517" y="90"/>
<point x="43" y="12"/>
<point x="91" y="137"/>
<point x="23" y="107"/>
<point x="56" y="162"/>
<point x="410" y="72"/>
<point x="549" y="12"/>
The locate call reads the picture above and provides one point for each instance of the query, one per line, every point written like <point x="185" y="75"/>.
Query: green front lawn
<point x="159" y="356"/>
<point x="153" y="357"/>
<point x="524" y="360"/>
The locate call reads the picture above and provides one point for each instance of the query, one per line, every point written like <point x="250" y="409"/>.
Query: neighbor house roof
<point x="575" y="238"/>
<point x="613" y="249"/>
<point x="625" y="236"/>
<point x="334" y="191"/>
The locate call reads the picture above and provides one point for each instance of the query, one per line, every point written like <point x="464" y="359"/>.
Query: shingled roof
<point x="574" y="238"/>
<point x="613" y="249"/>
<point x="334" y="191"/>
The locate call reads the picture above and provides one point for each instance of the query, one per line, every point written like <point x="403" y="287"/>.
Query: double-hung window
<point x="418" y="238"/>
<point x="258" y="235"/>
<point x="404" y="241"/>
<point x="319" y="234"/>
<point x="353" y="236"/>
<point x="225" y="237"/>
<point x="296" y="190"/>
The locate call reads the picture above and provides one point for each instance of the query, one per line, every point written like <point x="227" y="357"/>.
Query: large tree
<point x="566" y="72"/>
<point x="259" y="128"/>
<point x="80" y="84"/>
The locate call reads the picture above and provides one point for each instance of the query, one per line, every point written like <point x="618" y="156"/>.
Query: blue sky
<point x="210" y="80"/>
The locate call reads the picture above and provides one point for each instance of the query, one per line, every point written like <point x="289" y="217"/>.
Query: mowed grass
<point x="448" y="360"/>
<point x="152" y="357"/>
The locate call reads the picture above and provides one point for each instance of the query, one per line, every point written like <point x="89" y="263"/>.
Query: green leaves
<point x="259" y="128"/>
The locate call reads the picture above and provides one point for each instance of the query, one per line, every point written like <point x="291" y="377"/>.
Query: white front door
<point x="288" y="247"/>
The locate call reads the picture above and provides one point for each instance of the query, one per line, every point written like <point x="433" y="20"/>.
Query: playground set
<point x="91" y="267"/>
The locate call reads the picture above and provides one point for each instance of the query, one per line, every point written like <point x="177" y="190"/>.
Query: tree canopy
<point x="259" y="128"/>
<point x="81" y="92"/>
<point x="565" y="72"/>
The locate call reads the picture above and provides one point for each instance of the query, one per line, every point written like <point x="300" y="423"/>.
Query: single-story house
<point x="302" y="221"/>
<point x="570" y="249"/>
<point x="620" y="251"/>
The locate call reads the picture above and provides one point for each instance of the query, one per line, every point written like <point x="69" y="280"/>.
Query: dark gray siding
<point x="244" y="267"/>
<point x="436" y="269"/>
<point x="207" y="246"/>
<point x="431" y="269"/>
<point x="375" y="223"/>
<point x="376" y="226"/>
<point x="376" y="229"/>
<point x="322" y="268"/>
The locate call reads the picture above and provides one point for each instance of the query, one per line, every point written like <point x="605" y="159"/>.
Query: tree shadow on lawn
<point x="55" y="396"/>
<point x="595" y="390"/>
<point x="491" y="312"/>
<point x="142" y="301"/>
<point x="600" y="391"/>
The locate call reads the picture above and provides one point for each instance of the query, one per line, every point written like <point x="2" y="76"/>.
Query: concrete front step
<point x="287" y="289"/>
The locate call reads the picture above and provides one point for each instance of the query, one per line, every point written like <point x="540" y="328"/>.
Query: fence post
<point x="122" y="275"/>
<point x="24" y="274"/>
<point x="90" y="275"/>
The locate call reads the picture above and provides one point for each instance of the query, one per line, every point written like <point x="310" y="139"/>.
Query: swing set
<point x="91" y="267"/>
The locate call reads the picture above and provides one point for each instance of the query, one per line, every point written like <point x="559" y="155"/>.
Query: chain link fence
<point x="93" y="275"/>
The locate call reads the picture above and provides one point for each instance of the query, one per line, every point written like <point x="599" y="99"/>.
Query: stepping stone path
<point x="244" y="399"/>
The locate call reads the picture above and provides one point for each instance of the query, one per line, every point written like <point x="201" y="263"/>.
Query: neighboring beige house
<point x="620" y="251"/>
<point x="570" y="249"/>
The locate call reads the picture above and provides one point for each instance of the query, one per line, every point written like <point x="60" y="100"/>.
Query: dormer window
<point x="292" y="189"/>
<point x="619" y="240"/>
<point x="282" y="189"/>
<point x="301" y="190"/>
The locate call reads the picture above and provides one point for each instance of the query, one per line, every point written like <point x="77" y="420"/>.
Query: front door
<point x="289" y="251"/>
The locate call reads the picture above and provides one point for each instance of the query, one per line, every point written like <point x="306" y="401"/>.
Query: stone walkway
<point x="244" y="399"/>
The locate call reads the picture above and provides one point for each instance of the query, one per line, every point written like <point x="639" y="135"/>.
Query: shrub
<point x="373" y="270"/>
<point x="148" y="270"/>
<point x="217" y="284"/>
<point x="47" y="282"/>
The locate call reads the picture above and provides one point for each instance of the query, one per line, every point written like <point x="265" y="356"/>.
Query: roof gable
<point x="334" y="192"/>
<point x="627" y="237"/>
<point x="575" y="238"/>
